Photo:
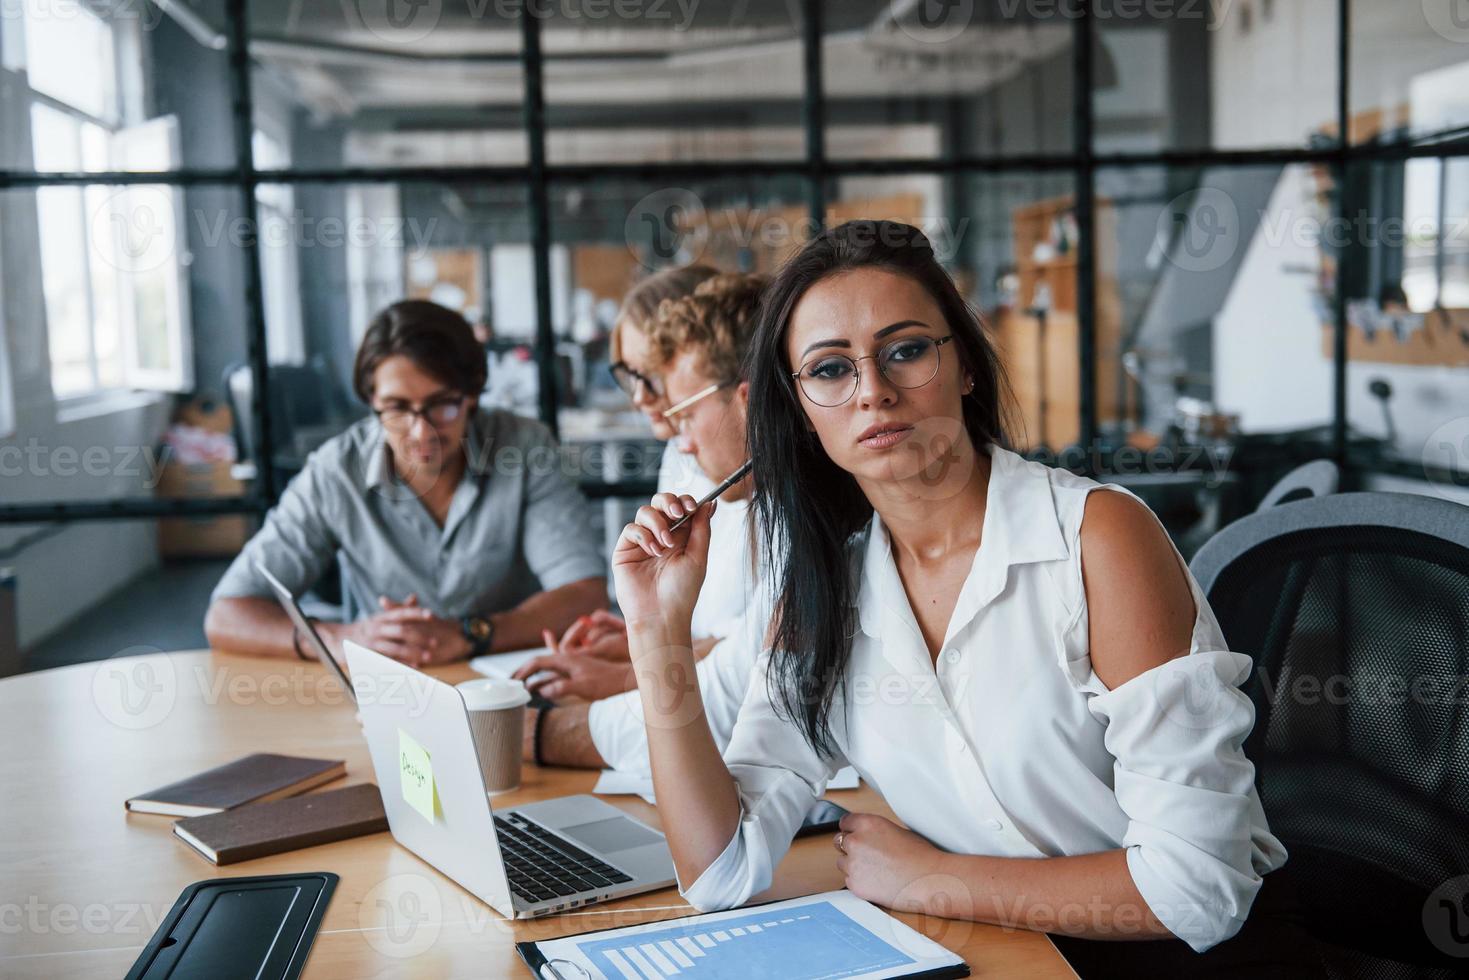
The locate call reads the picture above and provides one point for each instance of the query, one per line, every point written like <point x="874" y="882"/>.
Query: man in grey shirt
<point x="455" y="523"/>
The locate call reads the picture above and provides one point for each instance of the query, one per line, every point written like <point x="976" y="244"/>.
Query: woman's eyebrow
<point x="890" y="328"/>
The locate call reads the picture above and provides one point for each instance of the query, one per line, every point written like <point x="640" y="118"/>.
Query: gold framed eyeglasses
<point x="676" y="415"/>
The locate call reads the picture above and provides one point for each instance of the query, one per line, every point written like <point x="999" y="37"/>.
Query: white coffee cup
<point x="497" y="719"/>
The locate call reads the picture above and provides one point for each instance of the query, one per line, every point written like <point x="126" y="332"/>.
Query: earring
<point x="968" y="383"/>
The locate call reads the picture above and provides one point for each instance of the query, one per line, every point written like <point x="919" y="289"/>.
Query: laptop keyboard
<point x="542" y="866"/>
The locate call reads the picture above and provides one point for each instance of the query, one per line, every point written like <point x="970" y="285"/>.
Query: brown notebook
<point x="261" y="829"/>
<point x="253" y="779"/>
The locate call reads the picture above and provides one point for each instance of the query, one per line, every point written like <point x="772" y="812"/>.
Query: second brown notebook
<point x="261" y="829"/>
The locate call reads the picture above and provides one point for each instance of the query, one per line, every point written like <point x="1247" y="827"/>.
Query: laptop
<point x="303" y="626"/>
<point x="524" y="861"/>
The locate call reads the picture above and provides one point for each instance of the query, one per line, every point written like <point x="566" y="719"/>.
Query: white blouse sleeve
<point x="1187" y="788"/>
<point x="1197" y="840"/>
<point x="616" y="723"/>
<point x="778" y="777"/>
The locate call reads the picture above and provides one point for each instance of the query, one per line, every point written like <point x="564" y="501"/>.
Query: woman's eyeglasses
<point x="437" y="414"/>
<point x="629" y="379"/>
<point x="908" y="362"/>
<point x="677" y="415"/>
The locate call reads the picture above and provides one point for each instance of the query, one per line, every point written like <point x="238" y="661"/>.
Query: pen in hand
<point x="729" y="481"/>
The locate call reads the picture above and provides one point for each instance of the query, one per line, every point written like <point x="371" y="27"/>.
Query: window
<point x="112" y="275"/>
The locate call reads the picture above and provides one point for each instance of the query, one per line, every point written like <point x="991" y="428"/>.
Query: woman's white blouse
<point x="728" y="583"/>
<point x="1010" y="745"/>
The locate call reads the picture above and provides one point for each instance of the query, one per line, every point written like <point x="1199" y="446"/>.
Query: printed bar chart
<point x="806" y="942"/>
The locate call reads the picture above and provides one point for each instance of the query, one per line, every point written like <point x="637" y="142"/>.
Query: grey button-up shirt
<point x="516" y="525"/>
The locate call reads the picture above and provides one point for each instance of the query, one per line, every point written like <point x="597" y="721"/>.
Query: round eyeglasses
<point x="437" y="414"/>
<point x="830" y="380"/>
<point x="628" y="379"/>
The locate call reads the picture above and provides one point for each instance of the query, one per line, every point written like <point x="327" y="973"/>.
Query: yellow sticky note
<point x="416" y="773"/>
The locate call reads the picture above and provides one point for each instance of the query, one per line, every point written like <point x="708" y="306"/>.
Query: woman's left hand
<point x="884" y="863"/>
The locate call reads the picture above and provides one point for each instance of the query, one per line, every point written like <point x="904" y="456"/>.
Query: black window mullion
<point x="1339" y="179"/>
<point x="539" y="205"/>
<point x="813" y="110"/>
<point x="1086" y="314"/>
<point x="242" y="104"/>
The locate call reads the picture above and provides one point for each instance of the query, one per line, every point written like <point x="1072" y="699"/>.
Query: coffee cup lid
<point x="491" y="693"/>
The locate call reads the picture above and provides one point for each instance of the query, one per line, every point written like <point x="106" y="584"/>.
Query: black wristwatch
<point x="480" y="633"/>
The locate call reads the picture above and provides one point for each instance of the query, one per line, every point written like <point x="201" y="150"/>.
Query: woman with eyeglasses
<point x="699" y="346"/>
<point x="696" y="348"/>
<point x="1023" y="667"/>
<point x="638" y="366"/>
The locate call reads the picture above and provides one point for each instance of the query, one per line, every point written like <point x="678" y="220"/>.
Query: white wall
<point x="1271" y="87"/>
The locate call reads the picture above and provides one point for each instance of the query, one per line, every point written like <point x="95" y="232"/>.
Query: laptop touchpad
<point x="611" y="834"/>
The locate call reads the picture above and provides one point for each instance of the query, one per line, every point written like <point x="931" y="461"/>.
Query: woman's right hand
<point x="658" y="572"/>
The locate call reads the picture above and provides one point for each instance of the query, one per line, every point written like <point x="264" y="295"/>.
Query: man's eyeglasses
<point x="437" y="413"/>
<point x="629" y="379"/>
<point x="830" y="380"/>
<point x="677" y="415"/>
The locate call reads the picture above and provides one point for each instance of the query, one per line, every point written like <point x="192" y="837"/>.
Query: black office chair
<point x="1318" y="478"/>
<point x="1367" y="788"/>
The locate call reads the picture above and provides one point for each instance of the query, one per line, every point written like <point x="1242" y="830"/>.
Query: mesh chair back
<point x="1356" y="609"/>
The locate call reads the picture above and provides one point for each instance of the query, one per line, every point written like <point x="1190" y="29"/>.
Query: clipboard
<point x="867" y="942"/>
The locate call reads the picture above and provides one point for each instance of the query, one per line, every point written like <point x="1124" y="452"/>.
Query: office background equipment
<point x="257" y="928"/>
<point x="1355" y="607"/>
<point x="257" y="778"/>
<point x="261" y="829"/>
<point x="833" y="934"/>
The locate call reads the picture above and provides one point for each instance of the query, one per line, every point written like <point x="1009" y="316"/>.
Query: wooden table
<point x="84" y="884"/>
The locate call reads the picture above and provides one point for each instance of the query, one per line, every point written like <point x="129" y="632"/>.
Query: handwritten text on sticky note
<point x="417" y="775"/>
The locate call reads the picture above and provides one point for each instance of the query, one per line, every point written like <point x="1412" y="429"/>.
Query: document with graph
<point x="818" y="937"/>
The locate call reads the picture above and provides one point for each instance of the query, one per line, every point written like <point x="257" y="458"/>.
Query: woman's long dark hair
<point x="806" y="506"/>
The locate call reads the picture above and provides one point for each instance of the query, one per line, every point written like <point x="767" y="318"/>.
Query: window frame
<point x="537" y="176"/>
